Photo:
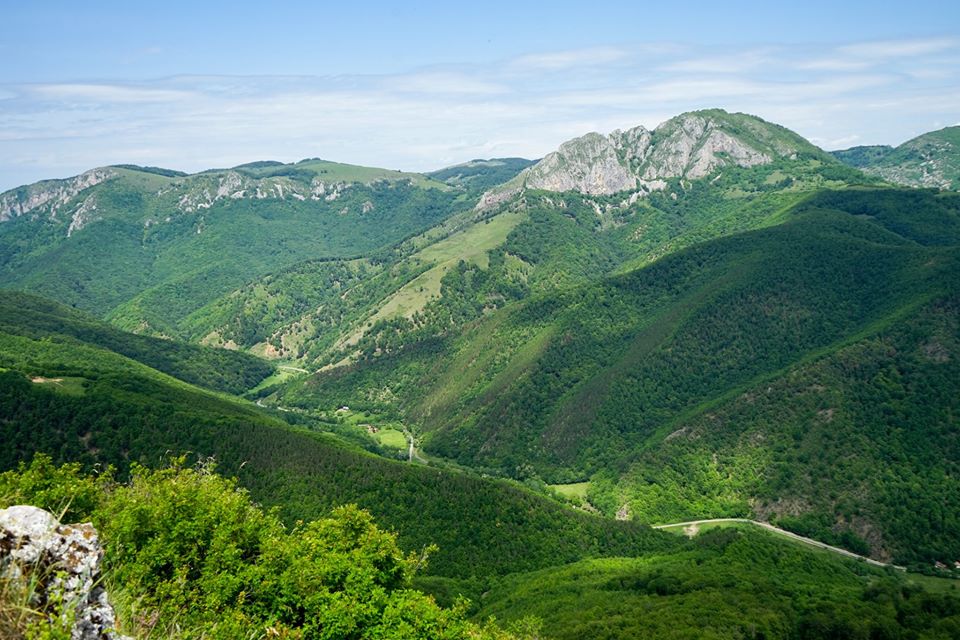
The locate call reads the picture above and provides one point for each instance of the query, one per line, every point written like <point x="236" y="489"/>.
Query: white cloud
<point x="561" y="60"/>
<point x="726" y="64"/>
<point x="427" y="118"/>
<point x="444" y="82"/>
<point x="103" y="93"/>
<point x="899" y="48"/>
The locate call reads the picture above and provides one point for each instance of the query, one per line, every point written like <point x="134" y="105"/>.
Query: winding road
<point x="694" y="524"/>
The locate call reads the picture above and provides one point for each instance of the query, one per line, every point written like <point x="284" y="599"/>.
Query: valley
<point x="703" y="367"/>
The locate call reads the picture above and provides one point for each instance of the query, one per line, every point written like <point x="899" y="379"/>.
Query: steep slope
<point x="228" y="371"/>
<point x="587" y="381"/>
<point x="147" y="247"/>
<point x="80" y="401"/>
<point x="690" y="146"/>
<point x="535" y="243"/>
<point x="929" y="160"/>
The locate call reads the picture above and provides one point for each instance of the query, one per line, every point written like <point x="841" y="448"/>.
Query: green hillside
<point x="146" y="249"/>
<point x="725" y="584"/>
<point x="29" y="316"/>
<point x="863" y="156"/>
<point x="326" y="312"/>
<point x="606" y="381"/>
<point x="929" y="160"/>
<point x="80" y="401"/>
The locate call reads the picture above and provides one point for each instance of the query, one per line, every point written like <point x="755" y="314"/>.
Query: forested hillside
<point x="586" y="381"/>
<point x="80" y="401"/>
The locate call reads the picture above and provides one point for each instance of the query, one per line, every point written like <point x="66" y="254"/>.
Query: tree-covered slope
<point x="588" y="381"/>
<point x="725" y="584"/>
<point x="146" y="249"/>
<point x="327" y="312"/>
<point x="30" y="316"/>
<point x="80" y="401"/>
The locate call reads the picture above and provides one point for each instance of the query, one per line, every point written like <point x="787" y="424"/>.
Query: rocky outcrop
<point x="201" y="192"/>
<point x="52" y="194"/>
<point x="589" y="165"/>
<point x="690" y="146"/>
<point x="64" y="563"/>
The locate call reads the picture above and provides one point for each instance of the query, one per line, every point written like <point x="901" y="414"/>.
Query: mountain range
<point x="710" y="319"/>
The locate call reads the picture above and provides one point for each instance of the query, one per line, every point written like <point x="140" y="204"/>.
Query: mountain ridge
<point x="688" y="146"/>
<point x="929" y="160"/>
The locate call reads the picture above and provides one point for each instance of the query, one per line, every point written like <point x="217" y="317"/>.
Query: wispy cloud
<point x="444" y="82"/>
<point x="900" y="48"/>
<point x="561" y="60"/>
<point x="854" y="93"/>
<point x="103" y="93"/>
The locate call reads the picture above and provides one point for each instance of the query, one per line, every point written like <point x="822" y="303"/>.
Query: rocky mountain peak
<point x="691" y="146"/>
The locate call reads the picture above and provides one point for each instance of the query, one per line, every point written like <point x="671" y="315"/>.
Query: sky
<point x="422" y="85"/>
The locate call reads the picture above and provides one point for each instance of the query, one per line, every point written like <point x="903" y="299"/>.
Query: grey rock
<point x="65" y="561"/>
<point x="690" y="146"/>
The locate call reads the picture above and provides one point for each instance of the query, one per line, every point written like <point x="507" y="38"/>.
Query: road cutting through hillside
<point x="693" y="527"/>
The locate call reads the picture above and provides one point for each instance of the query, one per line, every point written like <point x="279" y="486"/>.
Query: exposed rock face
<point x="66" y="561"/>
<point x="201" y="192"/>
<point x="690" y="146"/>
<point x="54" y="193"/>
<point x="589" y="165"/>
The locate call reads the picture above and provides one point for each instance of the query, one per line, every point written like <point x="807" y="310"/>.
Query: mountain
<point x="722" y="379"/>
<point x="929" y="160"/>
<point x="863" y="156"/>
<point x="323" y="312"/>
<point x="146" y="247"/>
<point x="690" y="146"/>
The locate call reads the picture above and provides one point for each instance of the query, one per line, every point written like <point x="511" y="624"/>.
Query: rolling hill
<point x="146" y="247"/>
<point x="929" y="160"/>
<point x="66" y="392"/>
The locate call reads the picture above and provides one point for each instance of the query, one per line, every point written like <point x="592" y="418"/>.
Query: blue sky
<point x="422" y="85"/>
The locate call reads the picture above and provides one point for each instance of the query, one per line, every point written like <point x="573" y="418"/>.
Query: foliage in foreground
<point x="189" y="555"/>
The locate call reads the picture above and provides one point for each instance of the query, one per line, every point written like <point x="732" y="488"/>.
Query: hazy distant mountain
<point x="929" y="160"/>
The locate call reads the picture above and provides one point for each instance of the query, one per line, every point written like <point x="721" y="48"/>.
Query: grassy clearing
<point x="470" y="245"/>
<point x="278" y="377"/>
<point x="391" y="438"/>
<point x="339" y="172"/>
<point x="572" y="490"/>
<point x="66" y="385"/>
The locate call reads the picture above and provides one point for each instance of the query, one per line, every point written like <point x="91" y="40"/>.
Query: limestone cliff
<point x="690" y="146"/>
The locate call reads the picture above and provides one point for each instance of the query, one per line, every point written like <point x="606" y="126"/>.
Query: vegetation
<point x="36" y="318"/>
<point x="189" y="555"/>
<point x="128" y="413"/>
<point x="478" y="176"/>
<point x="158" y="248"/>
<point x="623" y="381"/>
<point x="863" y="156"/>
<point x="726" y="583"/>
<point x="929" y="160"/>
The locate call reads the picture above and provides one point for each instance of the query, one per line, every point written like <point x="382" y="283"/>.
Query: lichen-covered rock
<point x="65" y="562"/>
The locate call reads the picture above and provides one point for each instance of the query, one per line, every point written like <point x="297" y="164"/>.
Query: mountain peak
<point x="691" y="145"/>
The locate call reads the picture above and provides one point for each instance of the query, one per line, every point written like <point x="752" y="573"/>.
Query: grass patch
<point x="572" y="490"/>
<point x="391" y="438"/>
